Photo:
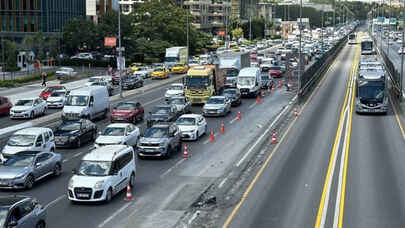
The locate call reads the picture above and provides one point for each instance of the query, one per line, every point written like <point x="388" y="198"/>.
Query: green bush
<point x="30" y="78"/>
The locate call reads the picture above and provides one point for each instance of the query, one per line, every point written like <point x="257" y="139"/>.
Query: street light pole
<point x="402" y="56"/>
<point x="300" y="51"/>
<point x="389" y="29"/>
<point x="188" y="35"/>
<point x="120" y="51"/>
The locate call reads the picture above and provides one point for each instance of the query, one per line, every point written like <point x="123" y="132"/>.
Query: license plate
<point x="83" y="195"/>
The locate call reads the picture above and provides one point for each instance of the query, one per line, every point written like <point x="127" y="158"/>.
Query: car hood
<point x="141" y="72"/>
<point x="20" y="108"/>
<point x="86" y="181"/>
<point x="7" y="172"/>
<point x="174" y="92"/>
<point x="73" y="109"/>
<point x="179" y="106"/>
<point x="15" y="149"/>
<point x="65" y="133"/>
<point x="158" y="117"/>
<point x="213" y="106"/>
<point x="109" y="139"/>
<point x="122" y="112"/>
<point x="151" y="140"/>
<point x="184" y="128"/>
<point x="55" y="99"/>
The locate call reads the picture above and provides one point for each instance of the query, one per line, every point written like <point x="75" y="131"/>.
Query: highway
<point x="331" y="167"/>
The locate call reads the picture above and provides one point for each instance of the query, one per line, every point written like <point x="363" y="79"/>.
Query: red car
<point x="275" y="71"/>
<point x="5" y="106"/>
<point x="49" y="90"/>
<point x="131" y="112"/>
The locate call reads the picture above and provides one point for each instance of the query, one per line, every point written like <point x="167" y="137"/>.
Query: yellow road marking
<point x="334" y="149"/>
<point x="259" y="173"/>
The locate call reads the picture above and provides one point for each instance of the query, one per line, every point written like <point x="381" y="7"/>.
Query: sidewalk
<point x="34" y="90"/>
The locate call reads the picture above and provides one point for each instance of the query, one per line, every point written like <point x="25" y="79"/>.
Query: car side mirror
<point x="12" y="224"/>
<point x="74" y="171"/>
<point x="38" y="164"/>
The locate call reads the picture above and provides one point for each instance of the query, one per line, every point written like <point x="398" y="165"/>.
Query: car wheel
<point x="197" y="136"/>
<point x="29" y="182"/>
<point x="108" y="196"/>
<point x="57" y="170"/>
<point x="40" y="225"/>
<point x="78" y="143"/>
<point x="168" y="152"/>
<point x="132" y="180"/>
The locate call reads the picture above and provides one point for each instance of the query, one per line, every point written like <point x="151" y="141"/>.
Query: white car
<point x="98" y="79"/>
<point x="57" y="99"/>
<point x="174" y="90"/>
<point x="118" y="133"/>
<point x="144" y="72"/>
<point x="28" y="108"/>
<point x="102" y="173"/>
<point x="192" y="126"/>
<point x="401" y="51"/>
<point x="65" y="72"/>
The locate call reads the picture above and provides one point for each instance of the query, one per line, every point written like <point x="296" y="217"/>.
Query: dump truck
<point x="202" y="82"/>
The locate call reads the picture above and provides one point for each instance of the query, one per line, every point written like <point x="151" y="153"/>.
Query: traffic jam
<point x="118" y="134"/>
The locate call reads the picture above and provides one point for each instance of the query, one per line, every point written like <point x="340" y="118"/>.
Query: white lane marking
<point x="222" y="182"/>
<point x="153" y="101"/>
<point x="173" y="167"/>
<point x="261" y="137"/>
<point x="55" y="201"/>
<point x="77" y="155"/>
<point x="16" y="127"/>
<point x="65" y="160"/>
<point x="233" y="120"/>
<point x="114" y="215"/>
<point x="252" y="105"/>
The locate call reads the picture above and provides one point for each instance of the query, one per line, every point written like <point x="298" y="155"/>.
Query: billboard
<point x="110" y="41"/>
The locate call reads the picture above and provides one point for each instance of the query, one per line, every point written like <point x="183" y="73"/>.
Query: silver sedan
<point x="217" y="106"/>
<point x="22" y="170"/>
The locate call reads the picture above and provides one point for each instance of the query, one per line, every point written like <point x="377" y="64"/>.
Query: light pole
<point x="119" y="51"/>
<point x="188" y="34"/>
<point x="300" y="51"/>
<point x="389" y="29"/>
<point x="402" y="56"/>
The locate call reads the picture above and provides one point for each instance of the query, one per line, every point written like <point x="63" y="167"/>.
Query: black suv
<point x="74" y="133"/>
<point x="21" y="212"/>
<point x="132" y="82"/>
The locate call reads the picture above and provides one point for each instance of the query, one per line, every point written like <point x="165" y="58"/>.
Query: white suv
<point x="102" y="173"/>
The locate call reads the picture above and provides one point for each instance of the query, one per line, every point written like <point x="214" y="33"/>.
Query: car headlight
<point x="70" y="183"/>
<point x="99" y="184"/>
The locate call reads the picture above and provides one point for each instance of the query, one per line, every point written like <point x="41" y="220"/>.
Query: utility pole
<point x="402" y="56"/>
<point x="188" y="34"/>
<point x="300" y="25"/>
<point x="120" y="51"/>
<point x="382" y="24"/>
<point x="389" y="29"/>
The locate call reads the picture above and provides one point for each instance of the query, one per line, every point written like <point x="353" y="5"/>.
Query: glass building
<point x="19" y="17"/>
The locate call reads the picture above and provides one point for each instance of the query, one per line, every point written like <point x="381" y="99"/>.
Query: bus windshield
<point x="372" y="90"/>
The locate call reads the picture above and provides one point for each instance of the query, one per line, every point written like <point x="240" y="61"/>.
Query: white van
<point x="249" y="81"/>
<point x="30" y="139"/>
<point x="87" y="102"/>
<point x="102" y="173"/>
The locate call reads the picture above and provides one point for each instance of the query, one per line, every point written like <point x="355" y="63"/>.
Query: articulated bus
<point x="352" y="38"/>
<point x="371" y="87"/>
<point x="367" y="47"/>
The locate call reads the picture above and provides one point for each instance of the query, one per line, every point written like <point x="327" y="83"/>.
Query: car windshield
<point x="186" y="121"/>
<point x="232" y="73"/>
<point x="371" y="90"/>
<point x="24" y="103"/>
<point x="69" y="126"/>
<point x="230" y="91"/>
<point x="77" y="100"/>
<point x="114" y="131"/>
<point x="94" y="168"/>
<point x="178" y="65"/>
<point x="125" y="106"/>
<point x="197" y="81"/>
<point x="49" y="89"/>
<point x="58" y="94"/>
<point x="275" y="68"/>
<point x="17" y="160"/>
<point x="246" y="81"/>
<point x="265" y="69"/>
<point x="94" y="79"/>
<point x="3" y="215"/>
<point x="21" y="140"/>
<point x="215" y="101"/>
<point x="177" y="101"/>
<point x="65" y="69"/>
<point x="160" y="110"/>
<point x="160" y="69"/>
<point x="156" y="132"/>
<point x="176" y="87"/>
<point x="98" y="83"/>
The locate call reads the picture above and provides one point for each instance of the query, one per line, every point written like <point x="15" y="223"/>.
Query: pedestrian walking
<point x="43" y="79"/>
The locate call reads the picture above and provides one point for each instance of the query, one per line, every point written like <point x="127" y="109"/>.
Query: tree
<point x="10" y="51"/>
<point x="237" y="33"/>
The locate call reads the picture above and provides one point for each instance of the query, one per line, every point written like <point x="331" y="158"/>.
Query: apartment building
<point x="127" y="6"/>
<point x="211" y="15"/>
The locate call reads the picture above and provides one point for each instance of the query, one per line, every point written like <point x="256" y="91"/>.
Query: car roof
<point x="220" y="97"/>
<point x="28" y="152"/>
<point x="176" y="84"/>
<point x="56" y="86"/>
<point x="32" y="131"/>
<point x="105" y="153"/>
<point x="190" y="116"/>
<point x="28" y="98"/>
<point x="119" y="125"/>
<point x="8" y="201"/>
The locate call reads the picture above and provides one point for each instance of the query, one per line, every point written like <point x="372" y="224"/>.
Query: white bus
<point x="367" y="47"/>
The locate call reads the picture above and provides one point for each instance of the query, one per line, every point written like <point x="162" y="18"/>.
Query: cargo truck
<point x="202" y="82"/>
<point x="175" y="55"/>
<point x="231" y="64"/>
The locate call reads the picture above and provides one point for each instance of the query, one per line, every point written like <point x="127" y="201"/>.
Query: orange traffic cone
<point x="129" y="193"/>
<point x="222" y="128"/>
<point x="262" y="93"/>
<point x="185" y="153"/>
<point x="280" y="83"/>
<point x="239" y="116"/>
<point x="258" y="100"/>
<point x="273" y="138"/>
<point x="212" y="137"/>
<point x="295" y="111"/>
